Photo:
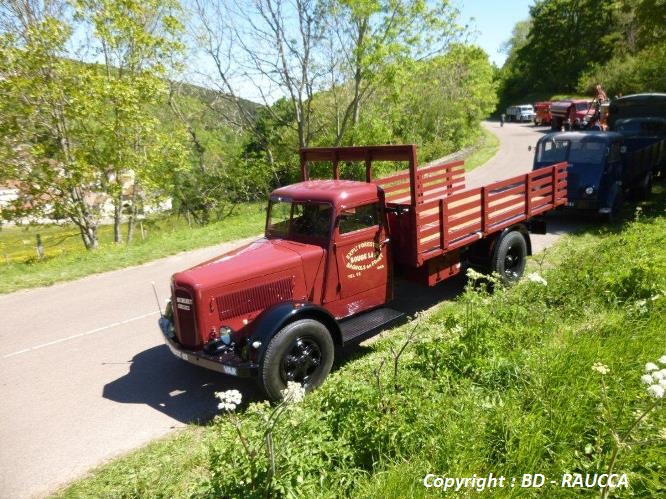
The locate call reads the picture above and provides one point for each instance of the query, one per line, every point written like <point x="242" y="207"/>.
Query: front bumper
<point x="583" y="204"/>
<point x="228" y="362"/>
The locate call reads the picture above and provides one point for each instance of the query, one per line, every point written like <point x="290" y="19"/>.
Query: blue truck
<point x="601" y="170"/>
<point x="641" y="120"/>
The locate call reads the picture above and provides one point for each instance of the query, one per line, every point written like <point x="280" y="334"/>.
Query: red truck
<point x="324" y="271"/>
<point x="572" y="114"/>
<point x="542" y="113"/>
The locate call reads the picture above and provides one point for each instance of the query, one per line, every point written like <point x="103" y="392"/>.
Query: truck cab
<point x="596" y="169"/>
<point x="542" y="113"/>
<point x="571" y="114"/>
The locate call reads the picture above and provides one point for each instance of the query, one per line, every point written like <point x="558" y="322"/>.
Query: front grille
<point x="186" y="319"/>
<point x="256" y="298"/>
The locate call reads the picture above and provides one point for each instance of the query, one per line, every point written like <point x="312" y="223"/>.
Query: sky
<point x="493" y="22"/>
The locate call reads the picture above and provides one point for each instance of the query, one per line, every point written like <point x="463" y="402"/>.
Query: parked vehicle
<point x="524" y="112"/>
<point x="323" y="274"/>
<point x="641" y="119"/>
<point x="542" y="113"/>
<point x="571" y="114"/>
<point x="600" y="173"/>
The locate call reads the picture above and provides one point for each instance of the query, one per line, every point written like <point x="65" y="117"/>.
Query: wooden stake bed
<point x="433" y="212"/>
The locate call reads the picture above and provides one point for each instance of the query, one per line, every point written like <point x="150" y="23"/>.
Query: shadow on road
<point x="174" y="387"/>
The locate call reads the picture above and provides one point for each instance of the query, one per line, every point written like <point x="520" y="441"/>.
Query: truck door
<point x="361" y="253"/>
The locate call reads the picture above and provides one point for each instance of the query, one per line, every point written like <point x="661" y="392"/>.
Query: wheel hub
<point x="301" y="361"/>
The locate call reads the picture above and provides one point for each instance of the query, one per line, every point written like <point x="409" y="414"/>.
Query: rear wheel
<point x="508" y="258"/>
<point x="301" y="352"/>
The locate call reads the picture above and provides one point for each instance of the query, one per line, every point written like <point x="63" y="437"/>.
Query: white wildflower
<point x="534" y="277"/>
<point x="651" y="366"/>
<point x="229" y="400"/>
<point x="600" y="368"/>
<point x="662" y="382"/>
<point x="657" y="375"/>
<point x="656" y="391"/>
<point x="647" y="379"/>
<point x="474" y="275"/>
<point x="662" y="360"/>
<point x="294" y="393"/>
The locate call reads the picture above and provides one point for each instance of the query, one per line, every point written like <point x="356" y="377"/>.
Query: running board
<point x="364" y="325"/>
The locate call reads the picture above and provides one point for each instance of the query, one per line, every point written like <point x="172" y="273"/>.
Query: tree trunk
<point x="117" y="218"/>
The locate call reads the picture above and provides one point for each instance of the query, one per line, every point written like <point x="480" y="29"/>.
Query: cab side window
<point x="358" y="218"/>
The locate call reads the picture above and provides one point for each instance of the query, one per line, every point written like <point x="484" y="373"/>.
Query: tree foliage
<point x="572" y="45"/>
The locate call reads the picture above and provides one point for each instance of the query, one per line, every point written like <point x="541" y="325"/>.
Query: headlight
<point x="225" y="335"/>
<point x="589" y="190"/>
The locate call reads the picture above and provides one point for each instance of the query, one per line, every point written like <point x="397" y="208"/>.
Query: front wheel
<point x="508" y="259"/>
<point x="302" y="352"/>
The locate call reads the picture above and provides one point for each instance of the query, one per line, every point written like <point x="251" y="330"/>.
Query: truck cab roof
<point x="589" y="136"/>
<point x="339" y="193"/>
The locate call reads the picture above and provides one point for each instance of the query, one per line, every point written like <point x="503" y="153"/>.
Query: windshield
<point x="554" y="151"/>
<point x="298" y="221"/>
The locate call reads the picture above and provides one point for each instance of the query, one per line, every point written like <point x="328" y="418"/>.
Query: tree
<point x="374" y="43"/>
<point x="136" y="40"/>
<point x="38" y="121"/>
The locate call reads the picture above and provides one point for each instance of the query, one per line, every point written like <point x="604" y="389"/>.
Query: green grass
<point x="67" y="259"/>
<point x="485" y="149"/>
<point x="499" y="383"/>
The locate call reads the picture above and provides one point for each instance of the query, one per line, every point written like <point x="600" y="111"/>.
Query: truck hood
<point x="233" y="288"/>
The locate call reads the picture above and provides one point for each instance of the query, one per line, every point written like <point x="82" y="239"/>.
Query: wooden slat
<point x="397" y="187"/>
<point x="453" y="235"/>
<point x="434" y="217"/>
<point x="441" y="193"/>
<point x="505" y="215"/>
<point x="453" y="221"/>
<point x="506" y="204"/>
<point x="463" y="195"/>
<point x="463" y="207"/>
<point x="545" y="191"/>
<point x="435" y="229"/>
<point x="519" y="190"/>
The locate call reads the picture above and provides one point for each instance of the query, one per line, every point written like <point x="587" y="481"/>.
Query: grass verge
<point x="544" y="377"/>
<point x="66" y="259"/>
<point x="485" y="149"/>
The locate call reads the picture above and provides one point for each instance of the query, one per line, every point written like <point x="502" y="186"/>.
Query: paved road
<point x="84" y="376"/>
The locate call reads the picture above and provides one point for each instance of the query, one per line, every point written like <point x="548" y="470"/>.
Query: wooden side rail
<point x="463" y="217"/>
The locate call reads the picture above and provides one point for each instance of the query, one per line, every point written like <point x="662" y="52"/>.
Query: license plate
<point x="232" y="371"/>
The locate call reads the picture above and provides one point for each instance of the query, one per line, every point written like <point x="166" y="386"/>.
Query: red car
<point x="542" y="113"/>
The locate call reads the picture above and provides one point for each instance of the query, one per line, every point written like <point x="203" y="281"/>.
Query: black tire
<point x="616" y="209"/>
<point x="301" y="351"/>
<point x="508" y="258"/>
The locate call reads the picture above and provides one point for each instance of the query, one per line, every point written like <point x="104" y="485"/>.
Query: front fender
<point x="273" y="319"/>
